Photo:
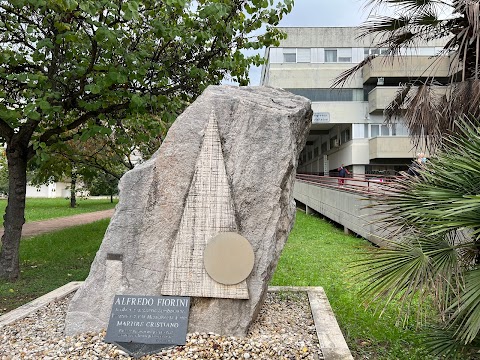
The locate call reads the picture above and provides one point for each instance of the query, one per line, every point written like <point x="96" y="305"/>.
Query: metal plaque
<point x="228" y="258"/>
<point x="160" y="320"/>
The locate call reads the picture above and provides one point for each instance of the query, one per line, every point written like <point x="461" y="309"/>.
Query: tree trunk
<point x="73" y="189"/>
<point x="14" y="214"/>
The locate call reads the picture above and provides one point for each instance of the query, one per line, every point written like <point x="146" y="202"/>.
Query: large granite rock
<point x="262" y="131"/>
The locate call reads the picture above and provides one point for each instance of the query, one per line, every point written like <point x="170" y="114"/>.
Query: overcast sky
<point x="326" y="13"/>
<point x="321" y="13"/>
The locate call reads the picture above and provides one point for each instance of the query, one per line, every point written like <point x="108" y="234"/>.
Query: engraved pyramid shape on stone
<point x="208" y="211"/>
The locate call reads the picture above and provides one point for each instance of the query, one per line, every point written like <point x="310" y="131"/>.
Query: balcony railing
<point x="367" y="185"/>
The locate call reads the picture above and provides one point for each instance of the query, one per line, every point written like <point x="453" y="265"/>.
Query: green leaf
<point x="44" y="105"/>
<point x="34" y="115"/>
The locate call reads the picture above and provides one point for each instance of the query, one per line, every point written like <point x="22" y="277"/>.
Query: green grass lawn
<point x="316" y="254"/>
<point x="52" y="260"/>
<point x="42" y="209"/>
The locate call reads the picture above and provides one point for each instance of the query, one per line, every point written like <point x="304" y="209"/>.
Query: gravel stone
<point x="284" y="329"/>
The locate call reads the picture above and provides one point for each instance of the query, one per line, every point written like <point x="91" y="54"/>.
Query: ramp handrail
<point x="364" y="184"/>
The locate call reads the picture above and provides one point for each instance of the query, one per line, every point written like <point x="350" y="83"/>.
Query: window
<point x="341" y="55"/>
<point x="344" y="55"/>
<point x="289" y="57"/>
<point x="324" y="147"/>
<point x="330" y="55"/>
<point x="315" y="152"/>
<point x="293" y="55"/>
<point x="400" y="130"/>
<point x="358" y="131"/>
<point x="345" y="136"/>
<point x="333" y="142"/>
<point x="374" y="51"/>
<point x="385" y="130"/>
<point x="375" y="130"/>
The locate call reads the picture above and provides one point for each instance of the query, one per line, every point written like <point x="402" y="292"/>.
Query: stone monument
<point x="222" y="180"/>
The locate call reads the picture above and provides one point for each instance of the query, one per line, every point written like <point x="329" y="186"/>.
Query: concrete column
<point x="358" y="170"/>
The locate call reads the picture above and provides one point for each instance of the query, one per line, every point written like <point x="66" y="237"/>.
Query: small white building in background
<point x="52" y="190"/>
<point x="348" y="122"/>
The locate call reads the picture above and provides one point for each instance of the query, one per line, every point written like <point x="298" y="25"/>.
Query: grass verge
<point x="318" y="254"/>
<point x="52" y="260"/>
<point x="42" y="209"/>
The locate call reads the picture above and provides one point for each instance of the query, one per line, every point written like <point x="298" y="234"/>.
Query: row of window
<point x="337" y="55"/>
<point x="362" y="131"/>
<point x="304" y="55"/>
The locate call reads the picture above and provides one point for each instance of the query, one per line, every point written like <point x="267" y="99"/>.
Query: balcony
<point x="405" y="67"/>
<point x="392" y="147"/>
<point x="380" y="97"/>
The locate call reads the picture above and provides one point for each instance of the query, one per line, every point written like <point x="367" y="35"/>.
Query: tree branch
<point x="47" y="135"/>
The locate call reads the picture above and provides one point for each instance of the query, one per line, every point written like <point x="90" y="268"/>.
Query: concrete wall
<point x="407" y="66"/>
<point x="335" y="37"/>
<point x="343" y="112"/>
<point x="391" y="147"/>
<point x="299" y="75"/>
<point x="380" y="97"/>
<point x="345" y="208"/>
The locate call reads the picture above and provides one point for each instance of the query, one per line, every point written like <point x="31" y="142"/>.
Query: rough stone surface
<point x="262" y="131"/>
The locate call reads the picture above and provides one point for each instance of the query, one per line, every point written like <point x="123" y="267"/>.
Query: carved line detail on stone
<point x="208" y="211"/>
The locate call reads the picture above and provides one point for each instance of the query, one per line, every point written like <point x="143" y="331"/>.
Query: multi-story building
<point x="348" y="125"/>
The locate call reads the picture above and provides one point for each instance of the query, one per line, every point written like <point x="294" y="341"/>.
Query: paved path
<point x="41" y="227"/>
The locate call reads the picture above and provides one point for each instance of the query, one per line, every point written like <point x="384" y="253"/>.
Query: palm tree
<point x="435" y="221"/>
<point x="428" y="113"/>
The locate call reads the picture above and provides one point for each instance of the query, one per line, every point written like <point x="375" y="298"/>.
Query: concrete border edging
<point x="330" y="337"/>
<point x="34" y="305"/>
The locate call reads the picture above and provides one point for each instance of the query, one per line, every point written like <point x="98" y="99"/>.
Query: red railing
<point x="364" y="184"/>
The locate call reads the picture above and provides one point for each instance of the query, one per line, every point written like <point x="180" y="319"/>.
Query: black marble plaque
<point x="158" y="320"/>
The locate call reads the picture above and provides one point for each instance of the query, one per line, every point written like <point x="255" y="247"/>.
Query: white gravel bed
<point x="284" y="329"/>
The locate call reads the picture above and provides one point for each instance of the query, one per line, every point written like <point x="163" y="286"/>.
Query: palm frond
<point x="422" y="115"/>
<point x="464" y="99"/>
<point x="442" y="343"/>
<point x="345" y="76"/>
<point x="411" y="268"/>
<point x="466" y="317"/>
<point x="383" y="25"/>
<point x="398" y="103"/>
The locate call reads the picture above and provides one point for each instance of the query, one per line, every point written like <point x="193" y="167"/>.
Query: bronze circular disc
<point x="228" y="258"/>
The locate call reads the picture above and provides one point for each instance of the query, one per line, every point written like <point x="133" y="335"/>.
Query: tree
<point x="72" y="69"/>
<point x="434" y="220"/>
<point x="102" y="184"/>
<point x="428" y="113"/>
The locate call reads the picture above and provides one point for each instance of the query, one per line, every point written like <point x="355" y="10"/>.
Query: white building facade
<point x="348" y="122"/>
